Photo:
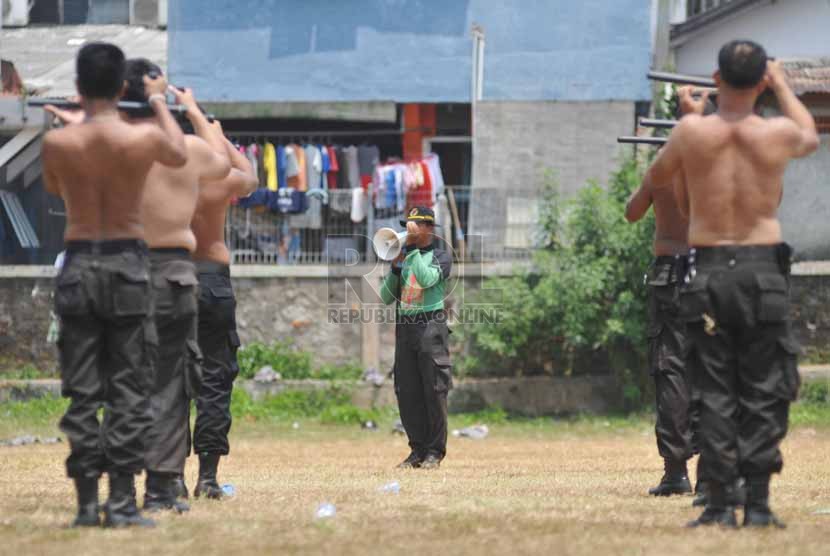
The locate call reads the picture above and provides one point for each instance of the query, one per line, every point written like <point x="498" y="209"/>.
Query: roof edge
<point x="682" y="32"/>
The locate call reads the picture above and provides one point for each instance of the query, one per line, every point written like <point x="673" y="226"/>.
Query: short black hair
<point x="136" y="69"/>
<point x="100" y="69"/>
<point x="742" y="63"/>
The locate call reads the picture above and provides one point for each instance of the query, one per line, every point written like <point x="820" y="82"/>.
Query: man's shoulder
<point x="195" y="142"/>
<point x="444" y="260"/>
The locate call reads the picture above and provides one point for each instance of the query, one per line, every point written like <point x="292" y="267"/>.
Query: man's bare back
<point x="171" y="194"/>
<point x="733" y="164"/>
<point x="99" y="168"/>
<point x="208" y="222"/>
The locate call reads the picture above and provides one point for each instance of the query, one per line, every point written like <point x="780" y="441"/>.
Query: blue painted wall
<point x="409" y="50"/>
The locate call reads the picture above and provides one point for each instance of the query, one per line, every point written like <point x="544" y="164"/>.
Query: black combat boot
<point x="180" y="488"/>
<point x="412" y="461"/>
<point x="719" y="509"/>
<point x="207" y="485"/>
<point x="675" y="480"/>
<point x="757" y="512"/>
<point x="88" y="510"/>
<point x="121" y="510"/>
<point x="431" y="462"/>
<point x="160" y="493"/>
<point x="700" y="495"/>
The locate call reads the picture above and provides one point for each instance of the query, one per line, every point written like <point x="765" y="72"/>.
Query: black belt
<point x="104" y="247"/>
<point x="162" y="254"/>
<point x="210" y="267"/>
<point x="778" y="255"/>
<point x="734" y="254"/>
<point x="667" y="259"/>
<point x="422" y="318"/>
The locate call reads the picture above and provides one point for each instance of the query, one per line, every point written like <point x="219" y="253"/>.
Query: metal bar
<point x="659" y="124"/>
<point x="294" y="134"/>
<point x="642" y="140"/>
<point x="20" y="141"/>
<point x="24" y="158"/>
<point x="126" y="105"/>
<point x="20" y="222"/>
<point x="681" y="79"/>
<point x="5" y="200"/>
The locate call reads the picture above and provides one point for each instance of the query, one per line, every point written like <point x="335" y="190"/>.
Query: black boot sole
<point x="725" y="519"/>
<point x="670" y="492"/>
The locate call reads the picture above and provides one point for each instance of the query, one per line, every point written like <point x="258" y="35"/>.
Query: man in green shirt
<point x="422" y="367"/>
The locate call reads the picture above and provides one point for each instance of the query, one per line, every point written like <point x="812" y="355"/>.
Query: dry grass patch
<point x="525" y="489"/>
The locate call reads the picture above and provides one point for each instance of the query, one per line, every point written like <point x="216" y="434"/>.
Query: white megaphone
<point x="388" y="243"/>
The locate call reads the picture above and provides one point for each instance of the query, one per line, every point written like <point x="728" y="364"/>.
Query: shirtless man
<point x="742" y="353"/>
<point x="218" y="339"/>
<point x="102" y="295"/>
<point x="169" y="204"/>
<point x="666" y="332"/>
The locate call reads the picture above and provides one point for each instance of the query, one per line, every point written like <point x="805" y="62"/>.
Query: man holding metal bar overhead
<point x="666" y="332"/>
<point x="218" y="339"/>
<point x="741" y="352"/>
<point x="168" y="205"/>
<point x="168" y="208"/>
<point x="102" y="294"/>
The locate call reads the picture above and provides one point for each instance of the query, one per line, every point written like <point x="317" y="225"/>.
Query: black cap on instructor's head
<point x="420" y="214"/>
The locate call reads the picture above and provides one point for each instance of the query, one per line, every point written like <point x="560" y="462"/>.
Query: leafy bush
<point x="26" y="372"/>
<point x="817" y="393"/>
<point x="291" y="362"/>
<point x="330" y="406"/>
<point x="582" y="307"/>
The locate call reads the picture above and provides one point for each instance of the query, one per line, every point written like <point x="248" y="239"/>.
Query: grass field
<point x="575" y="487"/>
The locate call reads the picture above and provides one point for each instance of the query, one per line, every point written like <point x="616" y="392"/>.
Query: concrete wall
<point x="791" y="29"/>
<point x="331" y="312"/>
<point x="298" y="307"/>
<point x="409" y="50"/>
<point x="515" y="142"/>
<point x="806" y="205"/>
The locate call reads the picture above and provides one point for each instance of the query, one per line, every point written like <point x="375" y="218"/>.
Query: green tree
<point x="582" y="307"/>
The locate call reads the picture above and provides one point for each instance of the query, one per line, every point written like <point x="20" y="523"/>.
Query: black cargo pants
<point x="742" y="355"/>
<point x="666" y="334"/>
<point x="422" y="379"/>
<point x="219" y="343"/>
<point x="177" y="366"/>
<point x="106" y="346"/>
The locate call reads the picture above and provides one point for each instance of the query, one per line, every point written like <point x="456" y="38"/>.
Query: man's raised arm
<point x="242" y="172"/>
<point x="168" y="142"/>
<point x="804" y="136"/>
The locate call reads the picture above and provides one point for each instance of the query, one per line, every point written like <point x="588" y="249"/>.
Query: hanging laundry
<point x="324" y="154"/>
<point x="340" y="200"/>
<point x="334" y="168"/>
<point x="281" y="183"/>
<point x="368" y="156"/>
<point x="292" y="167"/>
<point x="302" y="162"/>
<point x="283" y="201"/>
<point x="421" y="195"/>
<point x="433" y="164"/>
<point x="359" y="204"/>
<point x="391" y="182"/>
<point x="269" y="159"/>
<point x="350" y="167"/>
<point x="314" y="166"/>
